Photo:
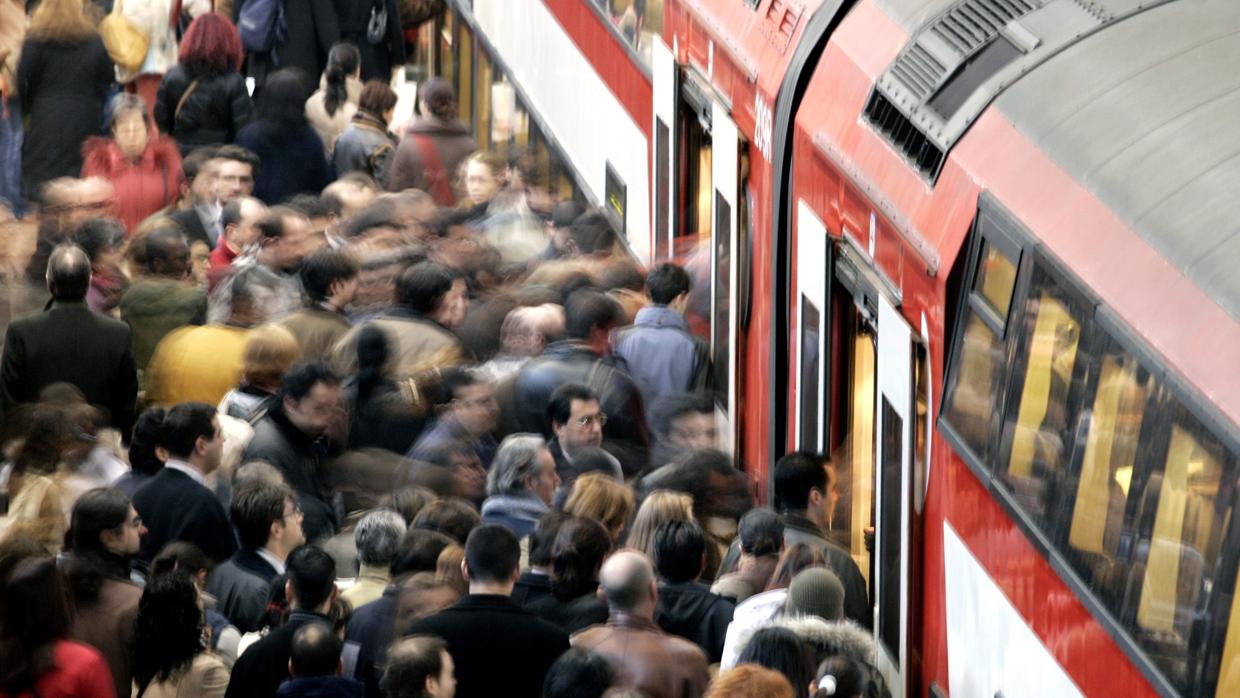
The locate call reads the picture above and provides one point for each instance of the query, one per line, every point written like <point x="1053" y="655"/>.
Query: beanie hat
<point x="816" y="592"/>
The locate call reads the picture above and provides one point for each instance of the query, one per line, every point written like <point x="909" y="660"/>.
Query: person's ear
<point x="815" y="498"/>
<point x="465" y="571"/>
<point x="288" y="592"/>
<point x="339" y="667"/>
<point x="200" y="444"/>
<point x="432" y="685"/>
<point x="290" y="667"/>
<point x="516" y="573"/>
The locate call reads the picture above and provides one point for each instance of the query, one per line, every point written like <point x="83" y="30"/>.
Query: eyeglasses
<point x="295" y="512"/>
<point x="589" y="420"/>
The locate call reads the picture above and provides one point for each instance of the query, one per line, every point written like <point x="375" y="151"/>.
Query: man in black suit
<point x="200" y="168"/>
<point x="175" y="503"/>
<point x="499" y="648"/>
<point x="311" y="588"/>
<point x="69" y="343"/>
<point x="268" y="522"/>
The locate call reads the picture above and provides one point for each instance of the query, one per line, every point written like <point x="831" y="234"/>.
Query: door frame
<point x="666" y="98"/>
<point x="725" y="176"/>
<point x="814" y="273"/>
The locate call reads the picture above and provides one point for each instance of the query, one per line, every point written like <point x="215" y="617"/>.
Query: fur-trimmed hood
<point x="841" y="637"/>
<point x="101" y="155"/>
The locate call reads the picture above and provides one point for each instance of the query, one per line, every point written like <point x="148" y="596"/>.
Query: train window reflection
<point x="996" y="279"/>
<point x="1229" y="667"/>
<point x="976" y="381"/>
<point x="1040" y="436"/>
<point x="811" y="338"/>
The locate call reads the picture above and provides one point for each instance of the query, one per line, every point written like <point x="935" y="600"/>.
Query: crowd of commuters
<point x="306" y="402"/>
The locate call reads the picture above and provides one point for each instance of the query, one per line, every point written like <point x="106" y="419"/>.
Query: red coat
<point x="78" y="671"/>
<point x="142" y="187"/>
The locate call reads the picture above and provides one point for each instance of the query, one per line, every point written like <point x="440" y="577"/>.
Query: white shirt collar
<point x="187" y="469"/>
<point x="275" y="562"/>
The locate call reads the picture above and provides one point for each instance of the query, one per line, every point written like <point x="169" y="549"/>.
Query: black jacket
<point x="499" y="649"/>
<point x="62" y="87"/>
<point x="174" y="507"/>
<point x="569" y="361"/>
<point x="378" y="59"/>
<point x="303" y="463"/>
<point x="213" y="113"/>
<point x="691" y="611"/>
<point x="191" y="225"/>
<point x="320" y="687"/>
<point x="531" y="587"/>
<point x="366" y="639"/>
<point x="312" y="27"/>
<point x="242" y="586"/>
<point x="69" y="343"/>
<point x="261" y="669"/>
<point x="572" y="615"/>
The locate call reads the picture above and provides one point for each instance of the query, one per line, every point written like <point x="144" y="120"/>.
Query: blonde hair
<point x="269" y="351"/>
<point x="659" y="507"/>
<point x="61" y="20"/>
<point x="599" y="497"/>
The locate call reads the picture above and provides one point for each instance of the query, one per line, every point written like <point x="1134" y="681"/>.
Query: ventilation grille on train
<point x="900" y="131"/>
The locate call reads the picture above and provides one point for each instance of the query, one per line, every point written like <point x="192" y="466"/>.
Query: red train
<point x="982" y="251"/>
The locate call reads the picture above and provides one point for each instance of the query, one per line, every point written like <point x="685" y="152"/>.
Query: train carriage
<point x="980" y="251"/>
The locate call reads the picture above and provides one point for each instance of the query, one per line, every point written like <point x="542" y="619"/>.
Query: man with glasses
<point x="268" y="522"/>
<point x="577" y="421"/>
<point x="215" y="177"/>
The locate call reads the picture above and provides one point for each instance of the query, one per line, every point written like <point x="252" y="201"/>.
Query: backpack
<point x="261" y="25"/>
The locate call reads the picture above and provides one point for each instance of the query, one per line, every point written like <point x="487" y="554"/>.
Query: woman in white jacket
<point x="154" y="19"/>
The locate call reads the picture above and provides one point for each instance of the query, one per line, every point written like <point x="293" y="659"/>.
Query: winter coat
<point x="262" y="667"/>
<point x="691" y="611"/>
<point x="518" y="513"/>
<point x="311" y="29"/>
<point x="62" y="87"/>
<point x="415" y="344"/>
<point x="452" y="143"/>
<point x="76" y="670"/>
<point x="571" y="615"/>
<point x="365" y="146"/>
<point x="366" y="640"/>
<point x="107" y="625"/>
<point x="316" y="330"/>
<point x="196" y="364"/>
<point x="829" y="639"/>
<point x="213" y="114"/>
<point x="750" y="615"/>
<point x="151" y="18"/>
<point x="143" y="187"/>
<point x="302" y="461"/>
<point x="207" y="677"/>
<point x="648" y="659"/>
<point x="330" y="126"/>
<point x="293" y="160"/>
<point x="320" y="687"/>
<point x="242" y="585"/>
<point x="155" y="306"/>
<point x="569" y="361"/>
<point x="378" y="59"/>
<point x="664" y="357"/>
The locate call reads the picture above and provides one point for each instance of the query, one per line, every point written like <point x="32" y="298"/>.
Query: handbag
<point x="126" y="44"/>
<point x="376" y="28"/>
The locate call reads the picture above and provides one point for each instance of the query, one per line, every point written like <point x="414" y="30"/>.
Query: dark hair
<point x="97" y="510"/>
<point x="418" y="551"/>
<point x="36" y="614"/>
<point x="311" y="205"/>
<point x="322" y="269"/>
<point x="211" y="46"/>
<point x="195" y="159"/>
<point x="380" y="214"/>
<point x="593" y="233"/>
<point x="376" y="98"/>
<point x="312" y="573"/>
<point x="372" y="356"/>
<point x="68" y="273"/>
<point x="451" y="380"/>
<point x="492" y="554"/>
<point x="579" y="673"/>
<point x="678" y="550"/>
<point x="168" y="630"/>
<point x="315" y="651"/>
<point x="142" y="457"/>
<point x="271" y="225"/>
<point x="761" y="532"/>
<point x="230" y="214"/>
<point x="165" y="244"/>
<point x="542" y="538"/>
<point x="580" y="547"/>
<point x="560" y="406"/>
<point x="588" y="309"/>
<point x="450" y="516"/>
<point x="673" y="406"/>
<point x="183" y="557"/>
<point x="849" y="675"/>
<point x="255" y="507"/>
<point x="342" y="62"/>
<point x="183" y="425"/>
<point x="421" y="287"/>
<point x="622" y="276"/>
<point x="782" y="650"/>
<point x="410" y="662"/>
<point x="97" y="235"/>
<point x="667" y="281"/>
<point x="301" y="379"/>
<point x="439" y="98"/>
<point x="282" y="102"/>
<point x="796" y="475"/>
<point x="237" y="153"/>
<point x="796" y="558"/>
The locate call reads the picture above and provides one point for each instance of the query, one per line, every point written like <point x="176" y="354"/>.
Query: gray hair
<point x="125" y="102"/>
<point x="516" y="460"/>
<point x="377" y="536"/>
<point x="253" y="283"/>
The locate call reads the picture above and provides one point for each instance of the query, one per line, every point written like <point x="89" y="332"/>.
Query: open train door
<point x="895" y="424"/>
<point x="663" y="149"/>
<point x="725" y="178"/>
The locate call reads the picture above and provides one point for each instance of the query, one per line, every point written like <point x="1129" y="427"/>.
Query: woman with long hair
<point x="292" y="154"/>
<point x="332" y="106"/>
<point x="63" y="78"/>
<point x="203" y="99"/>
<point x="576" y="557"/>
<point x="36" y="482"/>
<point x="104" y="534"/>
<point x="169" y="644"/>
<point x="601" y="498"/>
<point x="366" y="145"/>
<point x="36" y="656"/>
<point x="658" y="508"/>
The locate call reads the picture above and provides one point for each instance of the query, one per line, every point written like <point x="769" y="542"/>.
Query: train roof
<point x="1146" y="115"/>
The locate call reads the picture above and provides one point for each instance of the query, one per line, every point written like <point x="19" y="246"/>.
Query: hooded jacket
<point x="143" y="186"/>
<point x="830" y="639"/>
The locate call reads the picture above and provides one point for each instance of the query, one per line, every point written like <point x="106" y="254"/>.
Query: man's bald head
<point x="627" y="578"/>
<point x="68" y="273"/>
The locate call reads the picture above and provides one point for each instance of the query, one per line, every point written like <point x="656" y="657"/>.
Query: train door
<point x="725" y="173"/>
<point x="663" y="67"/>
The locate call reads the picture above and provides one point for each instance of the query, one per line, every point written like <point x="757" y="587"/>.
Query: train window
<point x="976" y="378"/>
<point x="663" y="201"/>
<point x="722" y="325"/>
<point x="1037" y="435"/>
<point x="447" y="56"/>
<point x="811" y="339"/>
<point x="465" y="76"/>
<point x="891" y="531"/>
<point x="1229" y="667"/>
<point x="482" y="100"/>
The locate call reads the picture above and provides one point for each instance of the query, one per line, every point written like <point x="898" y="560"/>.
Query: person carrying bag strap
<point x="435" y="173"/>
<point x="184" y="98"/>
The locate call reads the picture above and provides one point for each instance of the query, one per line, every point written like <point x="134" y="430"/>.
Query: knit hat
<point x="816" y="592"/>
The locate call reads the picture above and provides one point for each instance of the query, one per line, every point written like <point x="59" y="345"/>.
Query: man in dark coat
<point x="311" y="589"/>
<point x="499" y="649"/>
<point x="69" y="343"/>
<point x="582" y="358"/>
<point x="292" y="436"/>
<point x="175" y="504"/>
<point x="687" y="607"/>
<point x="268" y="522"/>
<point x="312" y="27"/>
<point x="805" y="496"/>
<point x="434" y="147"/>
